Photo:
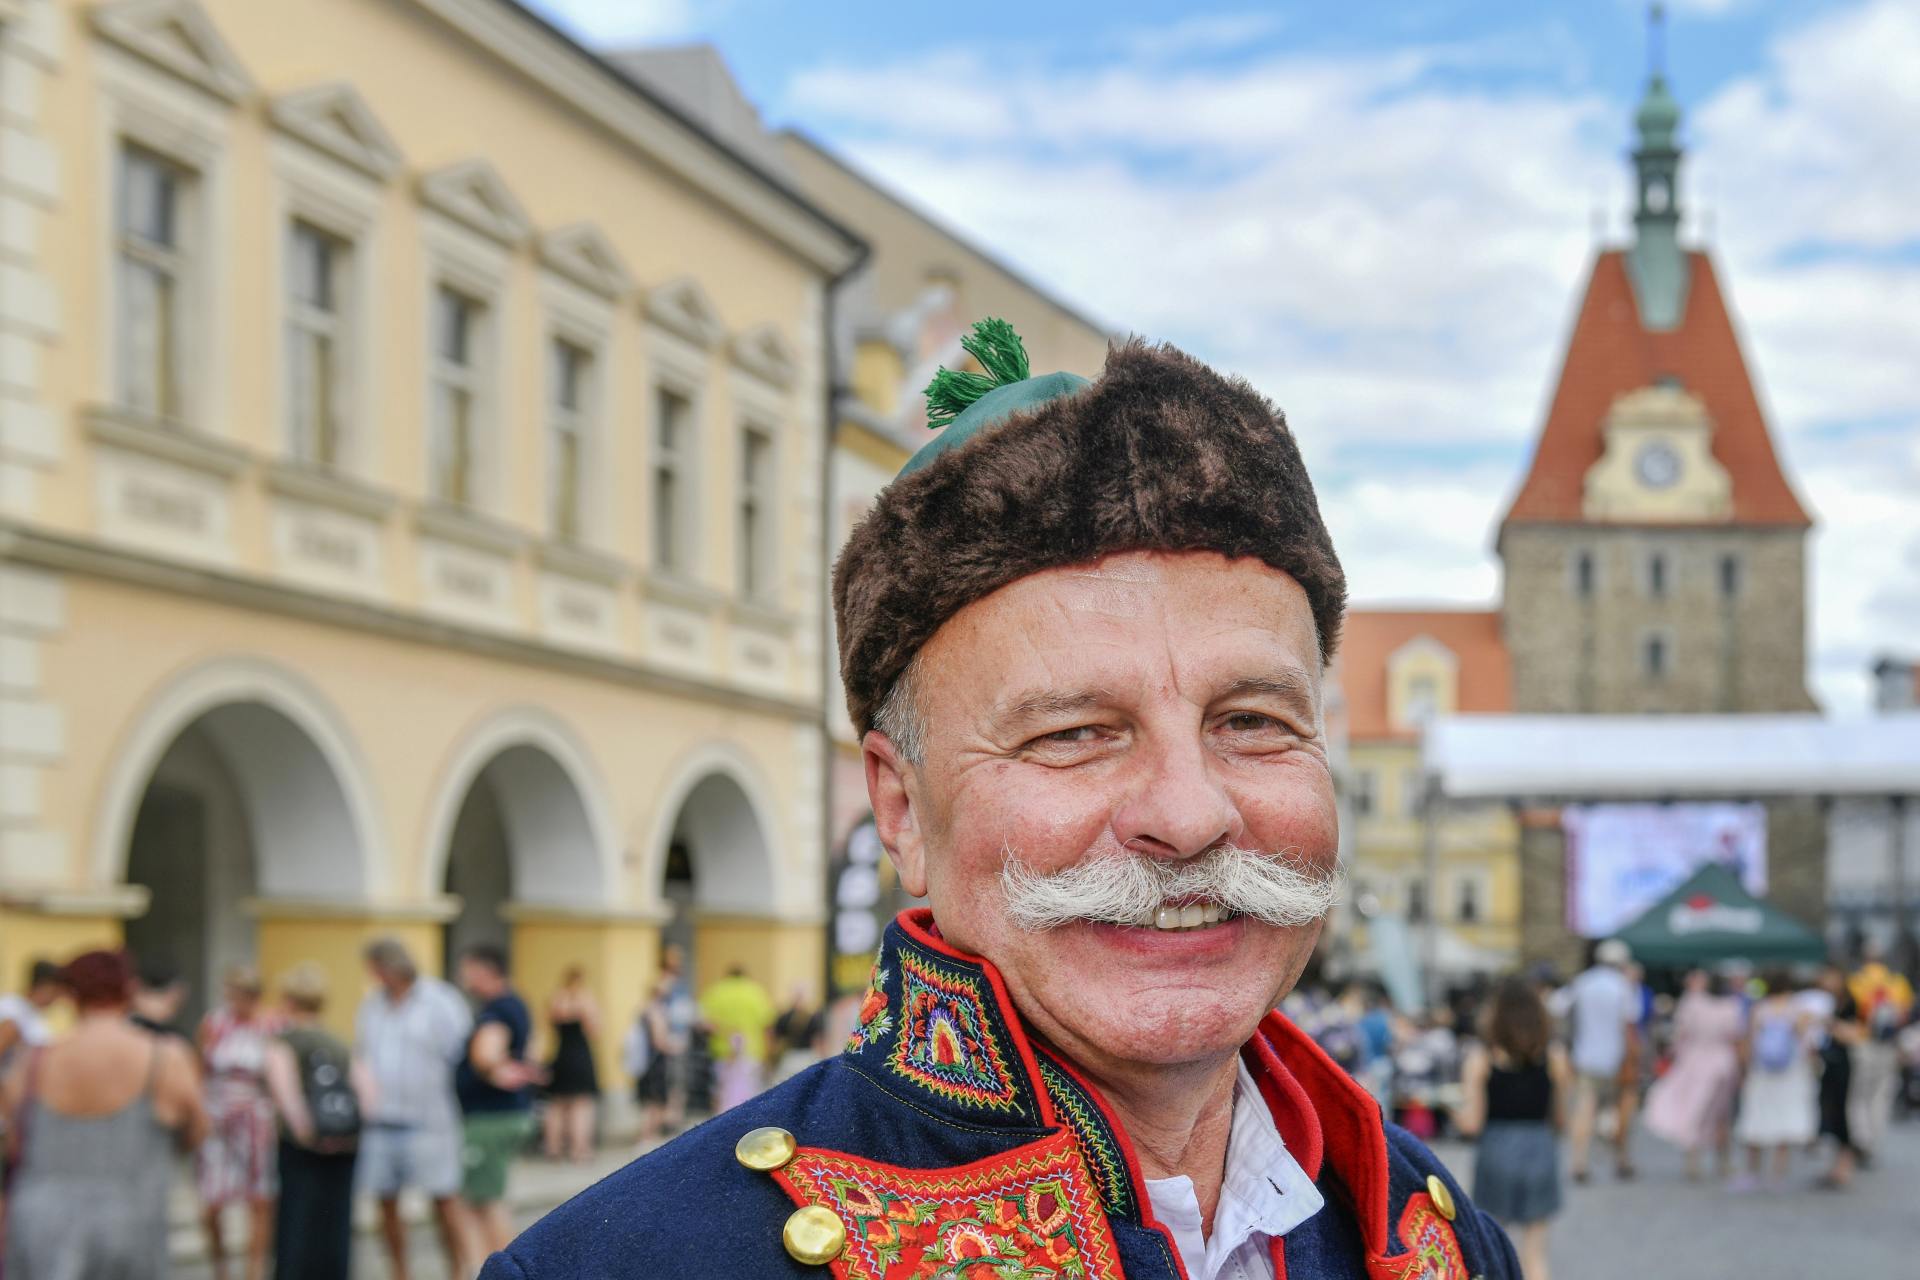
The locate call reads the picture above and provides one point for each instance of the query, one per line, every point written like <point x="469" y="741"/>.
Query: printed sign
<point x="1623" y="858"/>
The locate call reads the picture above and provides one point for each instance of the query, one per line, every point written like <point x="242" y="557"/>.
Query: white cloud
<point x="613" y="23"/>
<point x="1394" y="256"/>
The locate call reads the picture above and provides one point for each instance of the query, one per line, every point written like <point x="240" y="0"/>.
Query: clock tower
<point x="1655" y="555"/>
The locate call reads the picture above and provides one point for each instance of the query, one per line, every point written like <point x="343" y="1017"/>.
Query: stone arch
<point x="719" y="797"/>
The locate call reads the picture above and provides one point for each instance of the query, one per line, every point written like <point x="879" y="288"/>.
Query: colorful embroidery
<point x="1433" y="1253"/>
<point x="1029" y="1215"/>
<point x="875" y="1021"/>
<point x="1097" y="1145"/>
<point x="947" y="1041"/>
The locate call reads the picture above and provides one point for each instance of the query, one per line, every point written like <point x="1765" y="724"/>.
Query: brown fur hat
<point x="1159" y="453"/>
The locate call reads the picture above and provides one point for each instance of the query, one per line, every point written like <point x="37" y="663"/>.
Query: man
<point x="1604" y="1008"/>
<point x="739" y="1015"/>
<point x="410" y="1032"/>
<point x="493" y="1083"/>
<point x="1885" y="998"/>
<point x="1084" y="636"/>
<point x="23" y="1018"/>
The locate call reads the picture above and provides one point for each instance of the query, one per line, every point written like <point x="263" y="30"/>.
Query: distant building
<point x="1655" y="554"/>
<point x="411" y="455"/>
<point x="1896" y="684"/>
<point x="1397" y="669"/>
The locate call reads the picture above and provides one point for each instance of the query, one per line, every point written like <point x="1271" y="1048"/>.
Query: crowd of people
<point x="1753" y="1070"/>
<point x="285" y="1123"/>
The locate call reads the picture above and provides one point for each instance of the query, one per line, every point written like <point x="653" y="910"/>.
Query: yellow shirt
<point x="738" y="1006"/>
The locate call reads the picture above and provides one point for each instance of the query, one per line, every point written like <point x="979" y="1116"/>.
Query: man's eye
<point x="1079" y="733"/>
<point x="1251" y="722"/>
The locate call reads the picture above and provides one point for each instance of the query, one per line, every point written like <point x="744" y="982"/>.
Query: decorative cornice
<point x="122" y="901"/>
<point x="472" y="193"/>
<point x="582" y="562"/>
<point x="337" y="120"/>
<point x="682" y="307"/>
<point x="763" y="353"/>
<point x="170" y="442"/>
<point x="431" y="911"/>
<point x="681" y="592"/>
<point x="469" y="529"/>
<point x="176" y="36"/>
<point x="583" y="254"/>
<point x="329" y="489"/>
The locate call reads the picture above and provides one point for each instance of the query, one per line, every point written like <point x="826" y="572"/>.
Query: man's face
<point x="1153" y="705"/>
<point x="479" y="979"/>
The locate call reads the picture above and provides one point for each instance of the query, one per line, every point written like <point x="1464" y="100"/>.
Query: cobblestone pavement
<point x="1660" y="1225"/>
<point x="1655" y="1227"/>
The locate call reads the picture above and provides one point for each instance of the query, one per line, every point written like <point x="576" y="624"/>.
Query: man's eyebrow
<point x="1290" y="684"/>
<point x="1036" y="704"/>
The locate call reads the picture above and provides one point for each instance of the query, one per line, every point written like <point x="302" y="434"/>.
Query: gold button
<point x="764" y="1149"/>
<point x="1442" y="1198"/>
<point x="814" y="1235"/>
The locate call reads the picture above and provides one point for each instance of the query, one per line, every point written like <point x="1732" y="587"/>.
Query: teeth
<point x="1194" y="915"/>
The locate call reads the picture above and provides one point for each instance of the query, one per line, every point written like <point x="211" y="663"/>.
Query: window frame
<point x="761" y="542"/>
<point x="1365" y="793"/>
<point x="1663" y="638"/>
<point x="1730" y="575"/>
<point x="576" y="421"/>
<point x="464" y="379"/>
<point x="331" y="326"/>
<point x="679" y="464"/>
<point x="1583" y="573"/>
<point x="1657" y="573"/>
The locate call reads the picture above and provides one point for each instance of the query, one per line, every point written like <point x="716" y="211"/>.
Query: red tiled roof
<point x="1371" y="636"/>
<point x="1610" y="354"/>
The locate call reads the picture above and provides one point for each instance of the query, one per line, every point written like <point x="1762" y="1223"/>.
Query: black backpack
<point x="325" y="1079"/>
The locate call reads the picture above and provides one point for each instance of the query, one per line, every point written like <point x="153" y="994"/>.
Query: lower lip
<point x="1207" y="943"/>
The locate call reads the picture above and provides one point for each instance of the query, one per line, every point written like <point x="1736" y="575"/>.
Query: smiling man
<point x="1084" y="635"/>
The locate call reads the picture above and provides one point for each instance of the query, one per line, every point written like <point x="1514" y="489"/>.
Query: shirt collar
<point x="1264" y="1195"/>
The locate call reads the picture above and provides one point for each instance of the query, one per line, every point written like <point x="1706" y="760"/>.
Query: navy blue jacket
<point x="949" y="1145"/>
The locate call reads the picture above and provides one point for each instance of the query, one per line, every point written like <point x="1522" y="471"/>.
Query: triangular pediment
<point x="583" y="254"/>
<point x="765" y="354"/>
<point x="471" y="192"/>
<point x="682" y="307"/>
<point x="338" y="121"/>
<point x="177" y="36"/>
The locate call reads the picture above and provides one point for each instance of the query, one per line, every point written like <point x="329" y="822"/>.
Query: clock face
<point x="1657" y="465"/>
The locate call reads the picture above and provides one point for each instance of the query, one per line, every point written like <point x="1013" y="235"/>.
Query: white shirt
<point x="411" y="1048"/>
<point x="33" y="1027"/>
<point x="1265" y="1195"/>
<point x="1604" y="1005"/>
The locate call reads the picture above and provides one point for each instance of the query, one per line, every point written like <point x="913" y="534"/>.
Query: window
<point x="1416" y="900"/>
<point x="153" y="266"/>
<point x="456" y="409"/>
<point x="1657" y="575"/>
<point x="570" y="367"/>
<point x="1583" y="575"/>
<point x="672" y="448"/>
<point x="1364" y="800"/>
<point x="316" y="268"/>
<point x="1413" y="792"/>
<point x="756" y="513"/>
<point x="1423" y="699"/>
<point x="1654" y="656"/>
<point x="1729" y="575"/>
<point x="1467" y="900"/>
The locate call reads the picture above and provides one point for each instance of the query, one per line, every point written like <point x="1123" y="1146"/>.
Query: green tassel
<point x="1000" y="352"/>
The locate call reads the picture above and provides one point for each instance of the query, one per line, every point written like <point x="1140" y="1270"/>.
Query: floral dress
<point x="237" y="1161"/>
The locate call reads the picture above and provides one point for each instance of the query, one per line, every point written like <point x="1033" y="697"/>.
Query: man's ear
<point x="891" y="787"/>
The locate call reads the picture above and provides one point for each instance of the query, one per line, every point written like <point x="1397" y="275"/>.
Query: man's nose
<point x="1176" y="807"/>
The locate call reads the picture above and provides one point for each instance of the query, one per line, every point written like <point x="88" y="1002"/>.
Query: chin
<point x="1169" y="1027"/>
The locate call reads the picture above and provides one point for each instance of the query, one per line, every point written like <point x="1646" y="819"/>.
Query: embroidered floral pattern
<point x="1090" y="1130"/>
<point x="875" y="1021"/>
<point x="947" y="1042"/>
<point x="1030" y="1215"/>
<point x="1433" y="1252"/>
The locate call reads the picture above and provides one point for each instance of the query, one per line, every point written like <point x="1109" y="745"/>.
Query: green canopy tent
<point x="1711" y="918"/>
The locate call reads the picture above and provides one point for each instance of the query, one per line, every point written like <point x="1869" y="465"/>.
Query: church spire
<point x="1656" y="262"/>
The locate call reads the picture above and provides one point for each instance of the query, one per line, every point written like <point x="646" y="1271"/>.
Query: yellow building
<point x="1396" y="670"/>
<point x="411" y="455"/>
<point x="902" y="316"/>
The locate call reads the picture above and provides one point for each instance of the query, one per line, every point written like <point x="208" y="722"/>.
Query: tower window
<point x="1655" y="656"/>
<point x="1583" y="575"/>
<point x="1657" y="575"/>
<point x="1729" y="575"/>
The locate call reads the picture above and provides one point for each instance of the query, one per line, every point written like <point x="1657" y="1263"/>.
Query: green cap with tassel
<point x="966" y="404"/>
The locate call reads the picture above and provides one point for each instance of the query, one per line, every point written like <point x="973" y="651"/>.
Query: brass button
<point x="814" y="1235"/>
<point x="764" y="1149"/>
<point x="1442" y="1198"/>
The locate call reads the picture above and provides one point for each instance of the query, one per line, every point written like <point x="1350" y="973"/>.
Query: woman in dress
<point x="237" y="1162"/>
<point x="654" y="1049"/>
<point x="1513" y="1096"/>
<point x="94" y="1120"/>
<point x="1777" y="1108"/>
<point x="573" y="1088"/>
<point x="1839" y="1038"/>
<point x="1691" y="1106"/>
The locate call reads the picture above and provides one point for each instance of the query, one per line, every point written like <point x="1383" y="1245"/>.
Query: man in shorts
<point x="1604" y="1007"/>
<point x="494" y="1083"/>
<point x="411" y="1031"/>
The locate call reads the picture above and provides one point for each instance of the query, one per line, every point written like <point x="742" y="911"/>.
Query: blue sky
<point x="1382" y="213"/>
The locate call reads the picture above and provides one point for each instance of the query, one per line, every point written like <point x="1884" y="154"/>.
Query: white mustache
<point x="1282" y="889"/>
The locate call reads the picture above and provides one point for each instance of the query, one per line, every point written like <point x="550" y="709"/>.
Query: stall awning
<point x="1711" y="918"/>
<point x="1672" y="757"/>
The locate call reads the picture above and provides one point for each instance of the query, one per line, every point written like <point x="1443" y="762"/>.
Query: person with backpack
<point x="320" y="1094"/>
<point x="1778" y="1100"/>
